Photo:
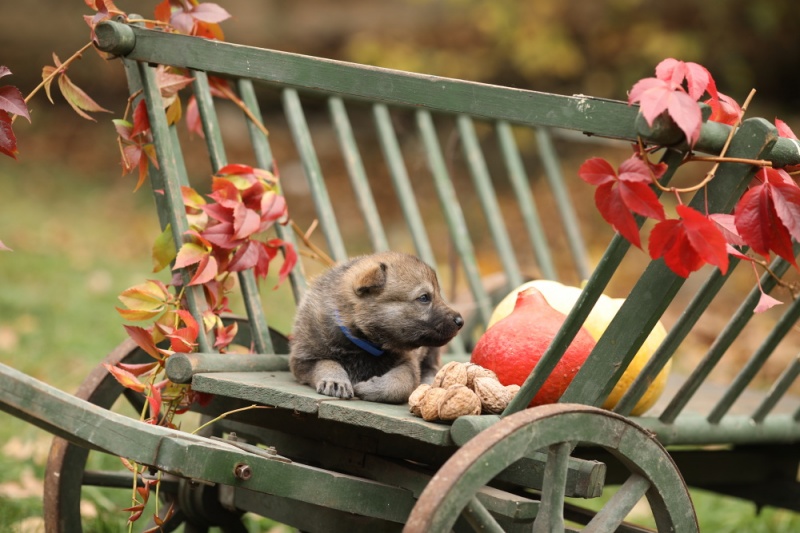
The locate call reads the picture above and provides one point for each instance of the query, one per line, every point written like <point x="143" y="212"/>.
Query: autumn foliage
<point x="765" y="219"/>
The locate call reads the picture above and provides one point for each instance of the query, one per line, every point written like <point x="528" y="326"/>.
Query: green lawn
<point x="78" y="241"/>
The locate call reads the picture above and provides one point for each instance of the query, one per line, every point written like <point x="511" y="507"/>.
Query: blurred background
<point x="80" y="236"/>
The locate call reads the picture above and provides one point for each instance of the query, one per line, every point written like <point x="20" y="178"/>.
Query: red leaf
<point x="235" y="168"/>
<point x="138" y="369"/>
<point x="125" y="378"/>
<point x="144" y="340"/>
<point x="78" y="99"/>
<point x="273" y="207"/>
<point x="766" y="302"/>
<point x="597" y="171"/>
<point x="225" y="335"/>
<point x="784" y="130"/>
<point x="245" y="222"/>
<point x="8" y="141"/>
<point x="193" y="122"/>
<point x="727" y="225"/>
<point x="758" y="221"/>
<point x="12" y="101"/>
<point x="613" y="209"/>
<point x="170" y="83"/>
<point x="785" y="195"/>
<point x="705" y="238"/>
<point x="154" y="399"/>
<point x="189" y="254"/>
<point x="289" y="259"/>
<point x="698" y="78"/>
<point x="656" y="96"/>
<point x="245" y="257"/>
<point x="688" y="243"/>
<point x="163" y="11"/>
<point x="206" y="270"/>
<point x="724" y="109"/>
<point x="209" y="12"/>
<point x="141" y="122"/>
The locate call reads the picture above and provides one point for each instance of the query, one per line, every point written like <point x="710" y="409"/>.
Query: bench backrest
<point x="444" y="214"/>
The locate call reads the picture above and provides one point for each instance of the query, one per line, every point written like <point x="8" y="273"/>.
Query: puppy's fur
<point x="390" y="300"/>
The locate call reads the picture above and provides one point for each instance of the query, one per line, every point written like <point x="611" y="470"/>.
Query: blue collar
<point x="361" y="343"/>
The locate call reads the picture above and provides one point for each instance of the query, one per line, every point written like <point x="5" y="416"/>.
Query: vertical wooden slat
<point x="453" y="214"/>
<point x="402" y="184"/>
<point x="170" y="170"/>
<point x="756" y="361"/>
<point x="247" y="280"/>
<point x="782" y="384"/>
<point x="524" y="196"/>
<point x="488" y="199"/>
<point x="308" y="156"/>
<point x="674" y="337"/>
<point x="577" y="316"/>
<point x="264" y="159"/>
<point x="565" y="206"/>
<point x="721" y="344"/>
<point x="358" y="177"/>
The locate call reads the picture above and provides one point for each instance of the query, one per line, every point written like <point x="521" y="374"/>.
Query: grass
<point x="78" y="241"/>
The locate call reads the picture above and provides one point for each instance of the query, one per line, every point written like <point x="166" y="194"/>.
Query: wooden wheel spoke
<point x="551" y="511"/>
<point x="479" y="517"/>
<point x="612" y="515"/>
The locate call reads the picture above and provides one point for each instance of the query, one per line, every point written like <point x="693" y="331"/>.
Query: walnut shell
<point x="415" y="399"/>
<point x="512" y="390"/>
<point x="493" y="395"/>
<point x="429" y="404"/>
<point x="477" y="371"/>
<point x="453" y="373"/>
<point x="458" y="400"/>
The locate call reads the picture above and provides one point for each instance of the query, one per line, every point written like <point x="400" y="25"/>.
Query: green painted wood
<point x="566" y="208"/>
<point x="278" y="389"/>
<point x="657" y="286"/>
<point x="551" y="513"/>
<point x="387" y="418"/>
<point x="675" y="336"/>
<point x="454" y="216"/>
<point x="172" y="170"/>
<point x="182" y="367"/>
<point x="786" y="323"/>
<point x="600" y="117"/>
<point x="610" y="517"/>
<point x="778" y="390"/>
<point x="216" y="149"/>
<point x="263" y="154"/>
<point x="480" y="518"/>
<point x="402" y="183"/>
<point x="308" y="155"/>
<point x="357" y="174"/>
<point x="524" y="196"/>
<point x="694" y="428"/>
<point x="488" y="199"/>
<point x="721" y="344"/>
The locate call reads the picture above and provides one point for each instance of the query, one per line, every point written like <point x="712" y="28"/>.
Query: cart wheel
<point x="557" y="428"/>
<point x="67" y="478"/>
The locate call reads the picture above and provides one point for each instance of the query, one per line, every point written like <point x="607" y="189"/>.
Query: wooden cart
<point x="324" y="464"/>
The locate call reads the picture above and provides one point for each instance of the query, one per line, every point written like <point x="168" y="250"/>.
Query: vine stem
<point x="60" y="69"/>
<point x="226" y="414"/>
<point x="241" y="105"/>
<point x="317" y="252"/>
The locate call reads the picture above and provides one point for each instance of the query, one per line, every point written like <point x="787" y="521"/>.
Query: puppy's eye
<point x="425" y="299"/>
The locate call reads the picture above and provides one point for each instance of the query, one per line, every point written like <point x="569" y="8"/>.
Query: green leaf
<point x="164" y="251"/>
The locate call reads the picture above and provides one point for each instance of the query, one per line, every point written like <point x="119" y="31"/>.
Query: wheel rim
<point x="557" y="428"/>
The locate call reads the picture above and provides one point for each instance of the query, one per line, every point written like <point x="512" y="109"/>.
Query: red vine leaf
<point x="724" y="109"/>
<point x="12" y="101"/>
<point x="697" y="77"/>
<point x="686" y="244"/>
<point x="8" y="141"/>
<point x="619" y="196"/>
<point x="125" y="378"/>
<point x="766" y="302"/>
<point x="144" y="340"/>
<point x="784" y="130"/>
<point x="768" y="215"/>
<point x="78" y="100"/>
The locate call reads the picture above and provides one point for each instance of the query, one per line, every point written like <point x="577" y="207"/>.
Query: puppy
<point x="372" y="327"/>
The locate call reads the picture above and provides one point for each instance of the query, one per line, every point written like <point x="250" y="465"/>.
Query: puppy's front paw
<point x="336" y="388"/>
<point x="370" y="390"/>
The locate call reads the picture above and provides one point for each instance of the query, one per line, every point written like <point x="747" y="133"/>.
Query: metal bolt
<point x="242" y="471"/>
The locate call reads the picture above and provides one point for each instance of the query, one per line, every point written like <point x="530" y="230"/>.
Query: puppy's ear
<point x="371" y="279"/>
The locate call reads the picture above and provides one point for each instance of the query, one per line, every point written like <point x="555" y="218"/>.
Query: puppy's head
<point x="397" y="303"/>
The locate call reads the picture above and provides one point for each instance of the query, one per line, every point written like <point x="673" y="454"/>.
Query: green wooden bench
<point x="444" y="171"/>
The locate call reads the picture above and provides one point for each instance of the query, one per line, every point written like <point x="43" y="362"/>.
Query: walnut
<point x="477" y="371"/>
<point x="493" y="395"/>
<point x="429" y="404"/>
<point x="458" y="400"/>
<point x="415" y="399"/>
<point x="453" y="373"/>
<point x="513" y="390"/>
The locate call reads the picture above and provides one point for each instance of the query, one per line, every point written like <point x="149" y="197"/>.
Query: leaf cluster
<point x="765" y="219"/>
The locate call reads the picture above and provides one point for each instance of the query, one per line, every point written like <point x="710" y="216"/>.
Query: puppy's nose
<point x="458" y="320"/>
